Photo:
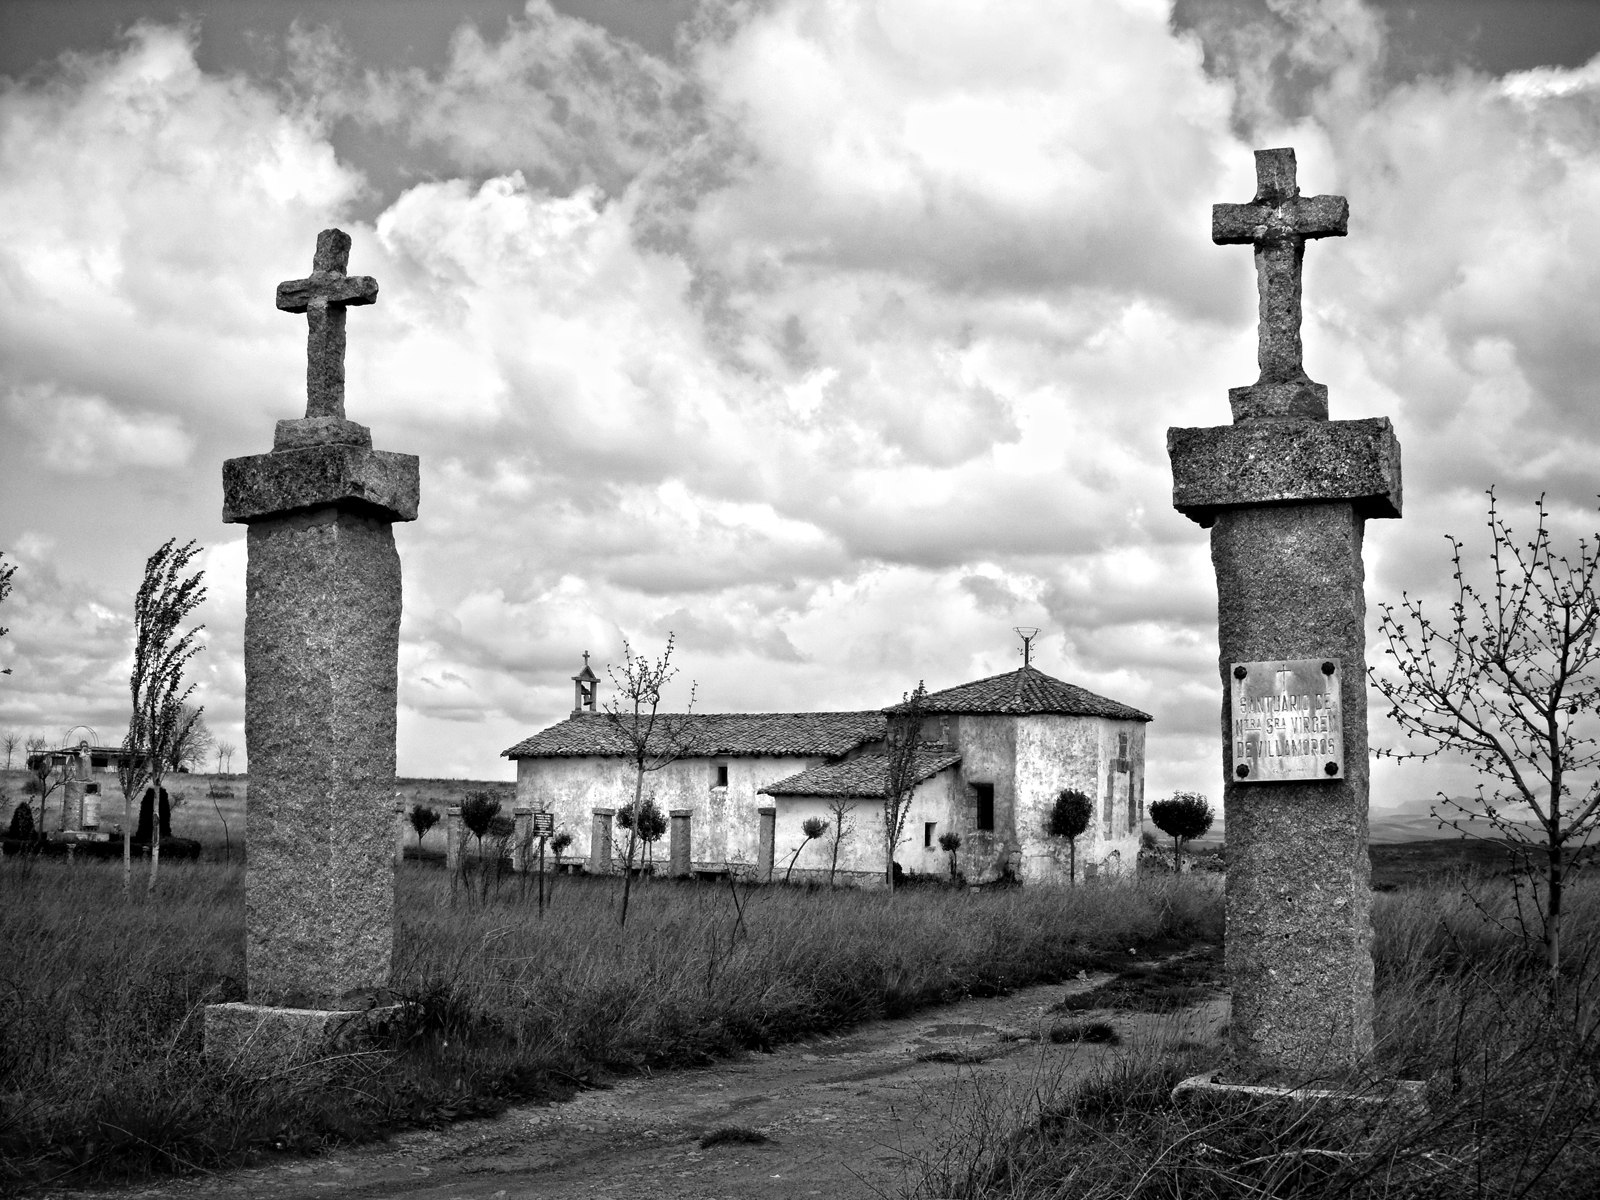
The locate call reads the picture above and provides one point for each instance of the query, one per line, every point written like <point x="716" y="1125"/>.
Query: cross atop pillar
<point x="323" y="296"/>
<point x="1279" y="222"/>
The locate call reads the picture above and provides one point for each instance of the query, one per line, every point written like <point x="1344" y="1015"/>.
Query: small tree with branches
<point x="478" y="810"/>
<point x="650" y="738"/>
<point x="225" y="753"/>
<point x="191" y="743"/>
<point x="1510" y="682"/>
<point x="43" y="777"/>
<point x="1069" y="817"/>
<point x="1182" y="816"/>
<point x="904" y="737"/>
<point x="813" y="828"/>
<point x="423" y="819"/>
<point x="165" y="599"/>
<point x="10" y="742"/>
<point x="950" y="843"/>
<point x="841" y="809"/>
<point x="651" y="826"/>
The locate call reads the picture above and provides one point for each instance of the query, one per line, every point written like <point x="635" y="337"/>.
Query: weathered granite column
<point x="1286" y="493"/>
<point x="600" y="842"/>
<point x="322" y="631"/>
<point x="679" y="864"/>
<point x="764" y="848"/>
<point x="401" y="824"/>
<point x="522" y="819"/>
<point x="455" y="834"/>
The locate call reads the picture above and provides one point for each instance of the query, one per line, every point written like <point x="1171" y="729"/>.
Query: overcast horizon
<point x="836" y="339"/>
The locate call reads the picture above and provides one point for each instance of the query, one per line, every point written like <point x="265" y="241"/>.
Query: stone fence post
<point x="522" y="818"/>
<point x="679" y="864"/>
<point x="600" y="842"/>
<point x="454" y="833"/>
<point x="764" y="851"/>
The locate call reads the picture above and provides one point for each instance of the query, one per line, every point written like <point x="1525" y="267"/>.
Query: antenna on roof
<point x="1027" y="633"/>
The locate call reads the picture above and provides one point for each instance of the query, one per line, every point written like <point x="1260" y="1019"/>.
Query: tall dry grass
<point x="101" y="1072"/>
<point x="1512" y="1074"/>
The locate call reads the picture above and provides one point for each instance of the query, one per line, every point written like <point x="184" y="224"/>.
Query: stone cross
<point x="1286" y="494"/>
<point x="1278" y="222"/>
<point x="323" y="296"/>
<point x="321" y="679"/>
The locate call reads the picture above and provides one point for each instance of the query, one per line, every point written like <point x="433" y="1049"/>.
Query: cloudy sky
<point x="836" y="337"/>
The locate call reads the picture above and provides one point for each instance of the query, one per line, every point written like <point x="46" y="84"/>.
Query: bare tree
<point x="10" y="742"/>
<point x="7" y="570"/>
<point x="225" y="752"/>
<point x="191" y="742"/>
<point x="841" y="809"/>
<point x="43" y="777"/>
<point x="651" y="738"/>
<point x="1506" y="682"/>
<point x="160" y="653"/>
<point x="904" y="736"/>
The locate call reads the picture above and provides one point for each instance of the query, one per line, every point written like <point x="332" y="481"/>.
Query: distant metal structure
<point x="1027" y="633"/>
<point x="93" y="739"/>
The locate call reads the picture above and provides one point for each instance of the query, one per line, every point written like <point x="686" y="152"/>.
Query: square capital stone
<point x="1261" y="462"/>
<point x="377" y="483"/>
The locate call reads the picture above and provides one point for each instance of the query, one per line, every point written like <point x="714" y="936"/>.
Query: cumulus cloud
<point x="837" y="347"/>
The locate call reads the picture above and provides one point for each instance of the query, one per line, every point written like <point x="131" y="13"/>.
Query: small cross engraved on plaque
<point x="1278" y="222"/>
<point x="323" y="296"/>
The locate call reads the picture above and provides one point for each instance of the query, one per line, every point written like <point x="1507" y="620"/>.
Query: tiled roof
<point x="861" y="776"/>
<point x="732" y="734"/>
<point x="1027" y="690"/>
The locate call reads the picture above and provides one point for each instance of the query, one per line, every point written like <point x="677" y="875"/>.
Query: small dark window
<point x="1122" y="745"/>
<point x="927" y="834"/>
<point x="722" y="774"/>
<point x="985" y="793"/>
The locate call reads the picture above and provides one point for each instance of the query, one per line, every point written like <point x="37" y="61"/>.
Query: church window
<point x="927" y="834"/>
<point x="985" y="793"/>
<point x="722" y="775"/>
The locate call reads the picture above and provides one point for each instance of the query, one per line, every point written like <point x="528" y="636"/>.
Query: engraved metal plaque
<point x="1287" y="720"/>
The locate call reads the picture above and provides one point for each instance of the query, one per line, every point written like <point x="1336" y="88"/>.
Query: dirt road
<point x="843" y="1116"/>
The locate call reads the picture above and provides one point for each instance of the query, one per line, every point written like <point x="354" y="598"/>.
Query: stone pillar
<point x="764" y="850"/>
<point x="322" y="640"/>
<point x="679" y="864"/>
<point x="401" y="824"/>
<point x="1286" y="494"/>
<point x="600" y="842"/>
<point x="1287" y="502"/>
<point x="71" y="803"/>
<point x="522" y="817"/>
<point x="321" y="661"/>
<point x="454" y="836"/>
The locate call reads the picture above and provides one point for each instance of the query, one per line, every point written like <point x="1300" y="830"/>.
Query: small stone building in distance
<point x="995" y="754"/>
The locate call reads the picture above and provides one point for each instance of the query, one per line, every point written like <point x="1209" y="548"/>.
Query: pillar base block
<point x="259" y="1038"/>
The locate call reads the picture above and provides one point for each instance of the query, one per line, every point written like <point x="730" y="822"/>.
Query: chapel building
<point x="994" y="755"/>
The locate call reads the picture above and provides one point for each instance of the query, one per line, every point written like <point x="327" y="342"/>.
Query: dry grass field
<point x="1511" y="1069"/>
<point x="101" y="1075"/>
